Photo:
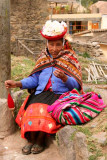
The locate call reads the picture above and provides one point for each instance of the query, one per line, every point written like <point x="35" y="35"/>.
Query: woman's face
<point x="55" y="47"/>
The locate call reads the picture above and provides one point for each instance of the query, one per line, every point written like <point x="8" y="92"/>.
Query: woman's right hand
<point x="12" y="84"/>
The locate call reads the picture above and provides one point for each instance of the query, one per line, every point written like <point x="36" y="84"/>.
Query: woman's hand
<point x="13" y="84"/>
<point x="61" y="75"/>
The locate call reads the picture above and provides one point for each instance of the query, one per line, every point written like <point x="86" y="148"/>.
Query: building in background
<point x="76" y="17"/>
<point x="100" y="7"/>
<point x="65" y="6"/>
<point x="61" y="2"/>
<point x="79" y="22"/>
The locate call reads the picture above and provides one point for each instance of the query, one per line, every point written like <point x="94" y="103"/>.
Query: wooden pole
<point x="5" y="56"/>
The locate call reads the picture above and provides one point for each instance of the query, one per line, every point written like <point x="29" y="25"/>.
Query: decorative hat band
<point x="54" y="30"/>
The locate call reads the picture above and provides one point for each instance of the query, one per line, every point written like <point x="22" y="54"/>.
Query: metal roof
<point x="76" y="17"/>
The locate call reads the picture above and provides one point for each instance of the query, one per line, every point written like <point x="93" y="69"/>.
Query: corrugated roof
<point x="101" y="5"/>
<point x="75" y="17"/>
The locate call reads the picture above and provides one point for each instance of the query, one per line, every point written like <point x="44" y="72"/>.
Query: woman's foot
<point x="37" y="149"/>
<point x="27" y="149"/>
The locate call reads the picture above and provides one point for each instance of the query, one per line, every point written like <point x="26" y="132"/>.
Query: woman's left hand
<point x="61" y="75"/>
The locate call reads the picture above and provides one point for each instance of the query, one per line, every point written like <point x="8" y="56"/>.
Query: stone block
<point x="97" y="46"/>
<point x="94" y="44"/>
<point x="100" y="137"/>
<point x="72" y="144"/>
<point x="7" y="123"/>
<point x="66" y="146"/>
<point x="80" y="146"/>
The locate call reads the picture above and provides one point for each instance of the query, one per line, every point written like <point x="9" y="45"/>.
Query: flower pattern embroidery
<point x="30" y="123"/>
<point x="50" y="125"/>
<point x="41" y="110"/>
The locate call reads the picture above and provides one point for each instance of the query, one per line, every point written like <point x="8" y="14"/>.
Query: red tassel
<point x="10" y="102"/>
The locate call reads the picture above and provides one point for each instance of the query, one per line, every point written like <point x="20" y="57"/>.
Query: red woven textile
<point x="36" y="118"/>
<point x="10" y="102"/>
<point x="49" y="84"/>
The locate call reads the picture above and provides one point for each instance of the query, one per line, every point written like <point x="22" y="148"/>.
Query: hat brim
<point x="52" y="38"/>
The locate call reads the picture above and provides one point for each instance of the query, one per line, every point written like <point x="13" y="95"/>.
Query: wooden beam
<point x="26" y="47"/>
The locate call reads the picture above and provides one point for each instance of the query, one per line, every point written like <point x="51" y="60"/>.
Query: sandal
<point x="37" y="149"/>
<point x="27" y="149"/>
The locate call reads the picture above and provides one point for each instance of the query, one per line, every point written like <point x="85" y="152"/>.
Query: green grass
<point x="85" y="55"/>
<point x="96" y="155"/>
<point x="83" y="129"/>
<point x="21" y="67"/>
<point x="73" y="135"/>
<point x="89" y="90"/>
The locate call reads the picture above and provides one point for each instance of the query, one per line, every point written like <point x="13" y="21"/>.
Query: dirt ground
<point x="10" y="149"/>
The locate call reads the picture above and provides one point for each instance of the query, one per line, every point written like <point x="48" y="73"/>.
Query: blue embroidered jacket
<point x="41" y="78"/>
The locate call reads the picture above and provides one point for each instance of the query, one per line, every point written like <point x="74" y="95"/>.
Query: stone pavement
<point x="10" y="149"/>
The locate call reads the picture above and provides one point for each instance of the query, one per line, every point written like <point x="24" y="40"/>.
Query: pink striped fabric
<point x="75" y="108"/>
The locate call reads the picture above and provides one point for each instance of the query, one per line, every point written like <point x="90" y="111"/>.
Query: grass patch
<point x="96" y="155"/>
<point x="21" y="67"/>
<point x="73" y="135"/>
<point x="83" y="129"/>
<point x="57" y="139"/>
<point x="86" y="55"/>
<point x="91" y="145"/>
<point x="89" y="90"/>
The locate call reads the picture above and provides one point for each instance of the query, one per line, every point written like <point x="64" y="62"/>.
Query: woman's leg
<point x="41" y="138"/>
<point x="31" y="140"/>
<point x="39" y="145"/>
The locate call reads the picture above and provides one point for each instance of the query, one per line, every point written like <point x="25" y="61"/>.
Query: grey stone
<point x="95" y="43"/>
<point x="97" y="54"/>
<point x="18" y="99"/>
<point x="97" y="46"/>
<point x="72" y="145"/>
<point x="81" y="146"/>
<point x="66" y="145"/>
<point x="7" y="123"/>
<point x="100" y="137"/>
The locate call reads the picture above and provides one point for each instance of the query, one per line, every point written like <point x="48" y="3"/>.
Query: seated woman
<point x="56" y="72"/>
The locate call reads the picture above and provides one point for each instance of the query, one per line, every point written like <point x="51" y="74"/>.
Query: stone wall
<point x="82" y="38"/>
<point x="93" y="49"/>
<point x="27" y="19"/>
